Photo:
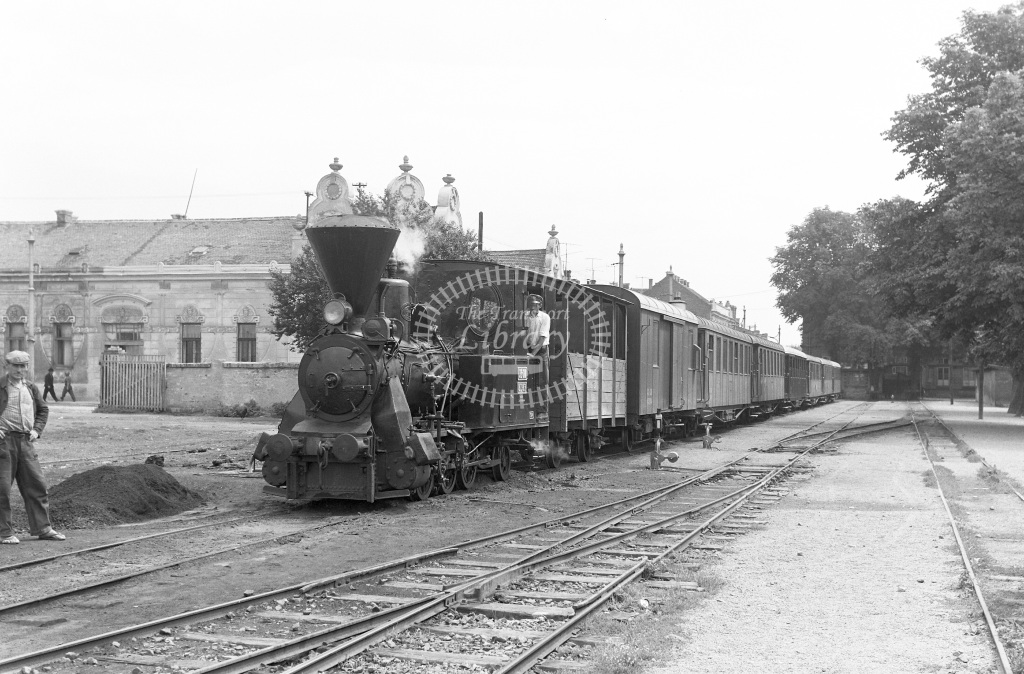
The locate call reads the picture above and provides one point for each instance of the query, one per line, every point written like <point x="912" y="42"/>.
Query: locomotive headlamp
<point x="336" y="311"/>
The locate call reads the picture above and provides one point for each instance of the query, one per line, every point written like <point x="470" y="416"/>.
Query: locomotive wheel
<point x="503" y="470"/>
<point x="553" y="457"/>
<point x="582" y="445"/>
<point x="444" y="480"/>
<point x="423" y="492"/>
<point x="465" y="477"/>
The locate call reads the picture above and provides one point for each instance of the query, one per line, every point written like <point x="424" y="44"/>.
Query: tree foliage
<point x="298" y="295"/>
<point x="958" y="260"/>
<point x="988" y="44"/>
<point x="823" y="278"/>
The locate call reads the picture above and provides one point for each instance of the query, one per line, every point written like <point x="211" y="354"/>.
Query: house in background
<point x="191" y="294"/>
<point x="189" y="291"/>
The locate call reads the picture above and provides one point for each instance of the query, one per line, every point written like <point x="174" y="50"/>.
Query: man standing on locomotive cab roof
<point x="23" y="414"/>
<point x="538" y="333"/>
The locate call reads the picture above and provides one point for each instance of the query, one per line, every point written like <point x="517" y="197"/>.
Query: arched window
<point x="15" y="321"/>
<point x="191" y="322"/>
<point x="63" y="321"/>
<point x="246" y="320"/>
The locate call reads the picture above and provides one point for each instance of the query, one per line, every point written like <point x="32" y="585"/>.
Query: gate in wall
<point x="132" y="382"/>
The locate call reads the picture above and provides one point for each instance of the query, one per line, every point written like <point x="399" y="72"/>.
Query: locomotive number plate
<point x="522" y="376"/>
<point x="521" y="387"/>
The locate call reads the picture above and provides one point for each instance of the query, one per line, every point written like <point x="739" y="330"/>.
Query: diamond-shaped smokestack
<point x="353" y="250"/>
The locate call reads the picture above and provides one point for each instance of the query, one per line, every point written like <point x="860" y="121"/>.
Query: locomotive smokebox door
<point x="337" y="377"/>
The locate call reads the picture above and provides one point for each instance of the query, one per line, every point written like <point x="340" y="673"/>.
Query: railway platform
<point x="998" y="437"/>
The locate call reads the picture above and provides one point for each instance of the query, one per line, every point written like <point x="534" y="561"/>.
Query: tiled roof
<point x="116" y="243"/>
<point x="528" y="259"/>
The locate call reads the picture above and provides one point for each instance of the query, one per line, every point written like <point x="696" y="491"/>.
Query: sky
<point x="693" y="134"/>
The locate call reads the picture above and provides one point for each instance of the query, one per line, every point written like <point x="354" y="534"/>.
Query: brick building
<point x="191" y="291"/>
<point x="190" y="294"/>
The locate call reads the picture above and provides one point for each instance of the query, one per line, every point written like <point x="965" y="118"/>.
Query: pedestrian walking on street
<point x="23" y="414"/>
<point x="68" y="391"/>
<point x="48" y="385"/>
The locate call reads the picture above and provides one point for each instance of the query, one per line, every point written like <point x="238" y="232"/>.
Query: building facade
<point x="191" y="291"/>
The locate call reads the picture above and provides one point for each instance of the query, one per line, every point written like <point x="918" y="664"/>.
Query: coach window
<point x="735" y="357"/>
<point x="718" y="353"/>
<point x="656" y="338"/>
<point x="694" y="350"/>
<point x="620" y="331"/>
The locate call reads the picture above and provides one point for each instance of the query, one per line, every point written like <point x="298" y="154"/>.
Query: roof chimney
<point x="678" y="301"/>
<point x="64" y="218"/>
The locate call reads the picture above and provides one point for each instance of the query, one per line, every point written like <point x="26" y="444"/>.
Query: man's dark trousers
<point x="18" y="461"/>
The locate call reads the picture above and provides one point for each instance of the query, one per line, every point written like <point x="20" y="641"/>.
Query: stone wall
<point x="209" y="387"/>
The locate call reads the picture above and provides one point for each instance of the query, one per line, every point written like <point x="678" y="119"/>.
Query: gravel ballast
<point x="857" y="571"/>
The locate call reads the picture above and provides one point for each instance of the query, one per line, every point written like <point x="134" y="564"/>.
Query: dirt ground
<point x="854" y="572"/>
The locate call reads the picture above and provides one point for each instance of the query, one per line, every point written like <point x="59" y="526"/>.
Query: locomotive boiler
<point x="349" y="431"/>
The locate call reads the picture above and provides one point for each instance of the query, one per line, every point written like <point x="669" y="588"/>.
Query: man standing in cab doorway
<point x="538" y="333"/>
<point x="23" y="414"/>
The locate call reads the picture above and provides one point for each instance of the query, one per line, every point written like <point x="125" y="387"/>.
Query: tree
<point x="957" y="260"/>
<point x="298" y="299"/>
<point x="820" y="277"/>
<point x="300" y="294"/>
<point x="988" y="43"/>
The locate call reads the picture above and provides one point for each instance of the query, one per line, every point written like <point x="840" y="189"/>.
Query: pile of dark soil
<point x="118" y="494"/>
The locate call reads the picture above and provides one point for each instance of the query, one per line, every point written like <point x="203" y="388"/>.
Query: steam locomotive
<point x="418" y="382"/>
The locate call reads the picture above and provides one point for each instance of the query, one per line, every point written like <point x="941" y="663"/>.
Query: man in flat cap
<point x="23" y="414"/>
<point x="537" y="326"/>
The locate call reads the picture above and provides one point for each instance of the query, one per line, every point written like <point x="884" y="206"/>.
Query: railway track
<point x="935" y="436"/>
<point x="433" y="594"/>
<point x="588" y="555"/>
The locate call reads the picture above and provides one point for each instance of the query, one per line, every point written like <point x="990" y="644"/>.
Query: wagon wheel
<point x="445" y="478"/>
<point x="465" y="476"/>
<point x="423" y="492"/>
<point x="581" y="443"/>
<point x="627" y="440"/>
<point x="553" y="455"/>
<point x="503" y="470"/>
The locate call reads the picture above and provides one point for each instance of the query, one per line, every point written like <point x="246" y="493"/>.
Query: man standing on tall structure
<point x="23" y="414"/>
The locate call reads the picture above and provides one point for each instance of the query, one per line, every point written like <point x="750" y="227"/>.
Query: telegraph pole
<point x="30" y="337"/>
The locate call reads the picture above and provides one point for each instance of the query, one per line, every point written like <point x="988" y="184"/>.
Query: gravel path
<point x="856" y="571"/>
<point x="999" y="437"/>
